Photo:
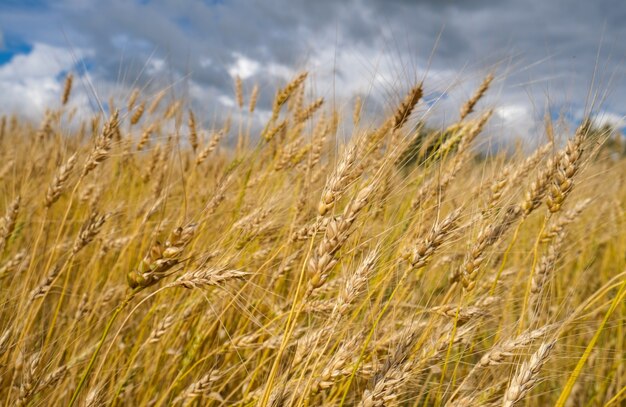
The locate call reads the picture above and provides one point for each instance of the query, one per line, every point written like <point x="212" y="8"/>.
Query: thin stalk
<point x="103" y="337"/>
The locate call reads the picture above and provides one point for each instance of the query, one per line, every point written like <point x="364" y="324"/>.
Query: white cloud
<point x="516" y="120"/>
<point x="43" y="61"/>
<point x="32" y="83"/>
<point x="279" y="71"/>
<point x="609" y="118"/>
<point x="226" y="101"/>
<point x="513" y="113"/>
<point x="29" y="84"/>
<point x="155" y="65"/>
<point x="243" y="67"/>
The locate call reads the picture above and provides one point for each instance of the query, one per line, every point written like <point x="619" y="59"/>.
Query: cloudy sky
<point x="547" y="55"/>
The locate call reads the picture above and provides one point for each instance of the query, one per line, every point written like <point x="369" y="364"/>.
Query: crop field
<point x="328" y="257"/>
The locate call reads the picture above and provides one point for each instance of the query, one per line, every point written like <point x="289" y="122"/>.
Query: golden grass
<point x="147" y="264"/>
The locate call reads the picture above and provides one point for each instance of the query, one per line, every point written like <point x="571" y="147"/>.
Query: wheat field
<point x="148" y="259"/>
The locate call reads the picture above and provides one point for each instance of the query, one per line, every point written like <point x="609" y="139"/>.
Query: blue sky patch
<point x="13" y="46"/>
<point x="23" y="4"/>
<point x="434" y="97"/>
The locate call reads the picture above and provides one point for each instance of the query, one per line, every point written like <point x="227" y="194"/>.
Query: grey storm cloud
<point x="542" y="48"/>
